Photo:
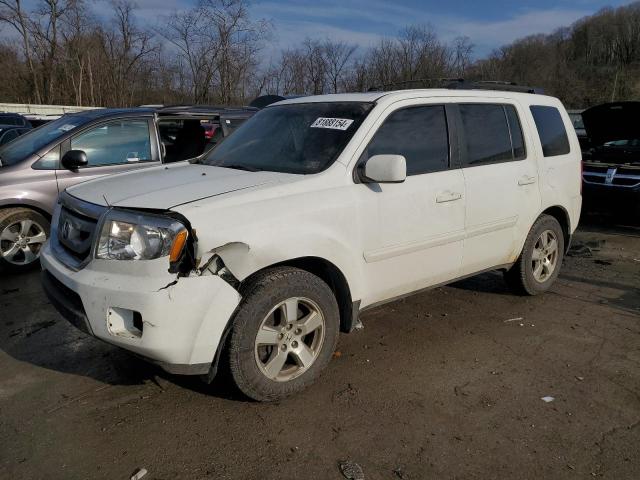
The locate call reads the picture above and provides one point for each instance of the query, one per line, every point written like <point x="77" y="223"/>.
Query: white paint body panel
<point x="387" y="239"/>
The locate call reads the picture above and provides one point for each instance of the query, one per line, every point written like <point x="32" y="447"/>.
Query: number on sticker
<point x="332" y="123"/>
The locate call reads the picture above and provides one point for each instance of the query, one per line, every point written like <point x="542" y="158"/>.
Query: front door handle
<point x="448" y="197"/>
<point x="527" y="180"/>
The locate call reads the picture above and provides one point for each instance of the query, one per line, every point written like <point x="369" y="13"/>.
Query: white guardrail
<point x="31" y="109"/>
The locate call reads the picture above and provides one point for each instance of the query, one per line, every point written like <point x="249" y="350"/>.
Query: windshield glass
<point x="296" y="138"/>
<point x="34" y="140"/>
<point x="576" y="119"/>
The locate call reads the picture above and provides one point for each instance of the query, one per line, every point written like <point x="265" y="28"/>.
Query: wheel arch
<point x="27" y="206"/>
<point x="332" y="276"/>
<point x="562" y="216"/>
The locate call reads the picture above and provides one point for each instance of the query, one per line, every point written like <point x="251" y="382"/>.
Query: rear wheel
<point x="539" y="263"/>
<point x="23" y="232"/>
<point x="283" y="333"/>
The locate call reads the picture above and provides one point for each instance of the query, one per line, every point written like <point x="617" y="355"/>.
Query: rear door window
<point x="553" y="135"/>
<point x="417" y="133"/>
<point x="486" y="134"/>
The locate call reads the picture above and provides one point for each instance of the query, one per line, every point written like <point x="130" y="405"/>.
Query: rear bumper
<point x="176" y="323"/>
<point x="610" y="197"/>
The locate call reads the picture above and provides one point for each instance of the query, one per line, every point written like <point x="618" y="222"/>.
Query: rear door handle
<point x="448" y="197"/>
<point x="527" y="180"/>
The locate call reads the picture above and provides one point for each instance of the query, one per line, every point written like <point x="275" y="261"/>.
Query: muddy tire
<point x="283" y="335"/>
<point x="23" y="232"/>
<point x="539" y="263"/>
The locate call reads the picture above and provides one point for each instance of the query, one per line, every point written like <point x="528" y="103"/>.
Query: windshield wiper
<point x="246" y="168"/>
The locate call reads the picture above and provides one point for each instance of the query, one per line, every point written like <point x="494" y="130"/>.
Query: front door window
<point x="115" y="143"/>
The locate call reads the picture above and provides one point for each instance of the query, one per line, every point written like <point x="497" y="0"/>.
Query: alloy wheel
<point x="544" y="257"/>
<point x="21" y="241"/>
<point x="289" y="339"/>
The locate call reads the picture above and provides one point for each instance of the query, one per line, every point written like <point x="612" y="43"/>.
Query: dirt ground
<point x="443" y="385"/>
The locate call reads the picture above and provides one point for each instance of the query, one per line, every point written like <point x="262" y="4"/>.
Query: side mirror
<point x="74" y="159"/>
<point x="385" y="169"/>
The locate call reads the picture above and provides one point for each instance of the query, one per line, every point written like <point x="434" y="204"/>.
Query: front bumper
<point x="610" y="198"/>
<point x="174" y="322"/>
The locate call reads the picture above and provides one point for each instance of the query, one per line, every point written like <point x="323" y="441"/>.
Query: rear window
<point x="551" y="130"/>
<point x="11" y="120"/>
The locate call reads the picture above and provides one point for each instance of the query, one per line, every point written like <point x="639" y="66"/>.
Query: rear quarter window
<point x="551" y="130"/>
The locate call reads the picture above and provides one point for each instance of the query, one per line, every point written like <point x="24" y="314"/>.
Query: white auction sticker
<point x="332" y="123"/>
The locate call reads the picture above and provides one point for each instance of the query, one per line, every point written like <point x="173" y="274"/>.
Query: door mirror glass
<point x="385" y="169"/>
<point x="74" y="159"/>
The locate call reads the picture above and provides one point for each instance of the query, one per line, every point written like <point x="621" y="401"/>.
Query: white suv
<point x="256" y="255"/>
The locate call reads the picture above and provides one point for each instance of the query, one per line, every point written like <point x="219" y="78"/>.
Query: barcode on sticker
<point x="332" y="123"/>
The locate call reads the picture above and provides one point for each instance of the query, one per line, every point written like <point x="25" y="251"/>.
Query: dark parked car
<point x="14" y="119"/>
<point x="82" y="146"/>
<point x="611" y="163"/>
<point x="9" y="133"/>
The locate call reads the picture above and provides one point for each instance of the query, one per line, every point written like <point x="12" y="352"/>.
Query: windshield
<point x="34" y="140"/>
<point x="297" y="138"/>
<point x="576" y="119"/>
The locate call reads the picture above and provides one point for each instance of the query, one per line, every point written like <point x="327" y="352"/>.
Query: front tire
<point x="23" y="232"/>
<point x="283" y="334"/>
<point x="539" y="263"/>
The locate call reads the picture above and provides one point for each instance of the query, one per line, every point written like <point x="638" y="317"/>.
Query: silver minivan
<point x="40" y="164"/>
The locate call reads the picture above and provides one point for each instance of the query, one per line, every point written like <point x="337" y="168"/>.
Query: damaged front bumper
<point x="176" y="322"/>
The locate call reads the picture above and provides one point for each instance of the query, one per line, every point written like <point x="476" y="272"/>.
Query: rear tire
<point x="23" y="232"/>
<point x="283" y="335"/>
<point x="539" y="263"/>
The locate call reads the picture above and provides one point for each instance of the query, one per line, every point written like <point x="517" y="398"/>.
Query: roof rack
<point x="495" y="85"/>
<point x="458" y="84"/>
<point x="417" y="83"/>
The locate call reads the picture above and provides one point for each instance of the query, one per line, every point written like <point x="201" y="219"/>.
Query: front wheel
<point x="283" y="333"/>
<point x="23" y="232"/>
<point x="539" y="263"/>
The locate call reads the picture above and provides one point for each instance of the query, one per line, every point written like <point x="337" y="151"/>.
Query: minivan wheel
<point x="23" y="232"/>
<point x="283" y="333"/>
<point x="539" y="263"/>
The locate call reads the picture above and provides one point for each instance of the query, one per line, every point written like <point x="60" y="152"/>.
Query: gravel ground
<point x="444" y="384"/>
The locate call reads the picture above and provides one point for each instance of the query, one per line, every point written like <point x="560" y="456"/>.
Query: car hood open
<point x="165" y="187"/>
<point x="612" y="121"/>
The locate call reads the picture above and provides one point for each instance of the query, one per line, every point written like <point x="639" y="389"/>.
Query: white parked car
<point x="316" y="209"/>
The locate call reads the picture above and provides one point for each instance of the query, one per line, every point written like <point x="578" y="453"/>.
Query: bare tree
<point x="125" y="47"/>
<point x="337" y="56"/>
<point x="462" y="55"/>
<point x="13" y="13"/>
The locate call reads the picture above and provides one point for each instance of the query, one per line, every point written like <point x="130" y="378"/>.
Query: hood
<point x="169" y="186"/>
<point x="612" y="121"/>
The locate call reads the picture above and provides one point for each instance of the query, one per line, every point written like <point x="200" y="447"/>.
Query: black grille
<point x="594" y="178"/>
<point x="75" y="232"/>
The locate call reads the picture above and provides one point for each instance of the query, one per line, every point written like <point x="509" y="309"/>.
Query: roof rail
<point x="457" y="84"/>
<point x="425" y="83"/>
<point x="495" y="85"/>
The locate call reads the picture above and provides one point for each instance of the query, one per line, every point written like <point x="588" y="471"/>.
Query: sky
<point x="489" y="23"/>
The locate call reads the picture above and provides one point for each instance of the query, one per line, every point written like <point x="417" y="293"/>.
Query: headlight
<point x="132" y="236"/>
